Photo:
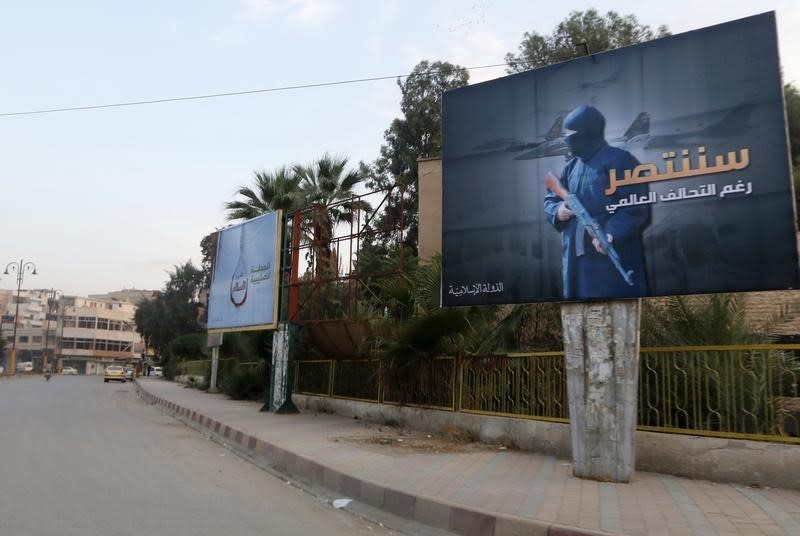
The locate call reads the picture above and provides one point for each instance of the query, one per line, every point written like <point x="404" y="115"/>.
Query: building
<point x="97" y="332"/>
<point x="87" y="333"/>
<point x="31" y="324"/>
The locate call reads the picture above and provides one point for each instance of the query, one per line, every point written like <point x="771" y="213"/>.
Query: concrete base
<point x="601" y="349"/>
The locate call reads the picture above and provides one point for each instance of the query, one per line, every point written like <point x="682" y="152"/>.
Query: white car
<point x="25" y="366"/>
<point x="69" y="371"/>
<point x="156" y="371"/>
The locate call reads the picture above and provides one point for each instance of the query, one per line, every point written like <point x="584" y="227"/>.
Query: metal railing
<point x="193" y="368"/>
<point x="749" y="392"/>
<point x="200" y="367"/>
<point x="531" y="385"/>
<point x="729" y="391"/>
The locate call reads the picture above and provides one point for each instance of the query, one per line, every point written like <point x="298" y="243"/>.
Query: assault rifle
<point x="592" y="227"/>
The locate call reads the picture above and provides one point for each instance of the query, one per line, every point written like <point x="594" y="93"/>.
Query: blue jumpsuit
<point x="588" y="274"/>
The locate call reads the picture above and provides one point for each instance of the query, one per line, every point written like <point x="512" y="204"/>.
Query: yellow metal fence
<point x="201" y="367"/>
<point x="750" y="391"/>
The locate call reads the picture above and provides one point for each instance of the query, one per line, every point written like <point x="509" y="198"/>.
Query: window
<point x="102" y="323"/>
<point x="70" y="322"/>
<point x="23" y="338"/>
<point x="115" y="325"/>
<point x="68" y="342"/>
<point x="86" y="322"/>
<point x="100" y="344"/>
<point x="37" y="338"/>
<point x="83" y="344"/>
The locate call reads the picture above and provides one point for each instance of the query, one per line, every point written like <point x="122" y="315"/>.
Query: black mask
<point x="589" y="127"/>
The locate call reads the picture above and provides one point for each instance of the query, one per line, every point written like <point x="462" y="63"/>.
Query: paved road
<point x="80" y="457"/>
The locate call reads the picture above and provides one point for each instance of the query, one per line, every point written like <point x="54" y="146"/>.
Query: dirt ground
<point x="397" y="440"/>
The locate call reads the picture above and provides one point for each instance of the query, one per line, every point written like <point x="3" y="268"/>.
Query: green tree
<point x="326" y="183"/>
<point x="417" y="328"/>
<point x="417" y="134"/>
<point x="597" y="31"/>
<point x="792" y="96"/>
<point x="271" y="191"/>
<point x="696" y="320"/>
<point x="208" y="250"/>
<point x="793" y="119"/>
<point x="174" y="311"/>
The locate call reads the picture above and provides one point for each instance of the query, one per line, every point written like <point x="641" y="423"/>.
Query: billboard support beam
<point x="601" y="352"/>
<point x="212" y="388"/>
<point x="280" y="401"/>
<point x="214" y="340"/>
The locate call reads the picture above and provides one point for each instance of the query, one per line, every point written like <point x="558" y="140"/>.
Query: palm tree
<point x="325" y="184"/>
<point x="276" y="190"/>
<point x="329" y="187"/>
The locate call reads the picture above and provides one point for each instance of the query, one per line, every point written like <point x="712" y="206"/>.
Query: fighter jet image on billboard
<point x="513" y="145"/>
<point x="702" y="128"/>
<point x="636" y="133"/>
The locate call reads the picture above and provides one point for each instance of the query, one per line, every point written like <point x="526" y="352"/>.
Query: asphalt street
<point x="80" y="457"/>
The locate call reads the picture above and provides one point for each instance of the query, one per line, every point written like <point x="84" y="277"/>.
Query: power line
<point x="235" y="93"/>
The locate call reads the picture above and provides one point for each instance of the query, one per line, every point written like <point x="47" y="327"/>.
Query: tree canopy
<point x="599" y="32"/>
<point x="174" y="311"/>
<point x="417" y="134"/>
<point x="792" y="96"/>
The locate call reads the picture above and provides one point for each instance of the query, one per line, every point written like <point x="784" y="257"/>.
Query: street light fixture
<point x="19" y="268"/>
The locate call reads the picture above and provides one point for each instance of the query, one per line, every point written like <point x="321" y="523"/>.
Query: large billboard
<point x="656" y="169"/>
<point x="244" y="286"/>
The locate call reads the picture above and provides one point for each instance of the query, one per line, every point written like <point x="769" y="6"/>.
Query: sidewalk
<point x="492" y="492"/>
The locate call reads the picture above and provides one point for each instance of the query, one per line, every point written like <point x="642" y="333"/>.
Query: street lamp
<point x="19" y="268"/>
<point x="53" y="296"/>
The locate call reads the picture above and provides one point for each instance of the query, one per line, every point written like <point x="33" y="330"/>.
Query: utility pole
<point x="56" y="294"/>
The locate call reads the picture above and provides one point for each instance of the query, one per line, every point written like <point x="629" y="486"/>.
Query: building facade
<point x="87" y="333"/>
<point x="96" y="332"/>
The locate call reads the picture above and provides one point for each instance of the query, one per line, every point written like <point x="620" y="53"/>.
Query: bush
<point x="187" y="347"/>
<point x="243" y="383"/>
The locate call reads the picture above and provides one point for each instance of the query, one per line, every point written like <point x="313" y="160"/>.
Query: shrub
<point x="243" y="383"/>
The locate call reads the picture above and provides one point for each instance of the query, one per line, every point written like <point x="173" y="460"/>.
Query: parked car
<point x="2" y="369"/>
<point x="25" y="366"/>
<point x="156" y="371"/>
<point x="69" y="371"/>
<point x="114" y="373"/>
<point x="129" y="373"/>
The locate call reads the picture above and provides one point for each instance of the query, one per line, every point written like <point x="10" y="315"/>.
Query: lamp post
<point x="52" y="296"/>
<point x="19" y="268"/>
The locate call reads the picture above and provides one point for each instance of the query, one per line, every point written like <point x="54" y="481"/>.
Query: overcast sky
<point x="107" y="199"/>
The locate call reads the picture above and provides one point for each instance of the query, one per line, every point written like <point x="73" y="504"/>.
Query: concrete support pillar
<point x="601" y="345"/>
<point x="212" y="384"/>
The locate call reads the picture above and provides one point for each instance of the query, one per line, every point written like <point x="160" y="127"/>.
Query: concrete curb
<point x="432" y="512"/>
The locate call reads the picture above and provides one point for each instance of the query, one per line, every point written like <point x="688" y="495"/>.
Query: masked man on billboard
<point x="588" y="272"/>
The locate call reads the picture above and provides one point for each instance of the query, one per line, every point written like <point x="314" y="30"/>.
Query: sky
<point x="114" y="198"/>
